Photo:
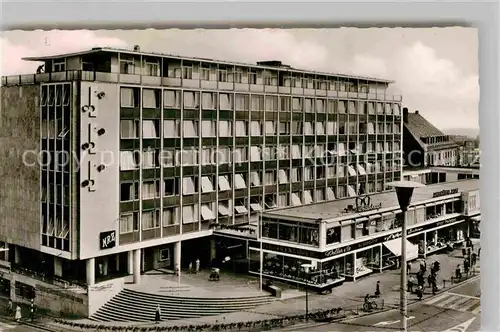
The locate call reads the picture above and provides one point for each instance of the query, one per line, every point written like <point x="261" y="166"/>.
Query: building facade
<point x="350" y="238"/>
<point x="425" y="145"/>
<point x="118" y="161"/>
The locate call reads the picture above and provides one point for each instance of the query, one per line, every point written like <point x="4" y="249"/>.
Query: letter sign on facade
<point x="107" y="240"/>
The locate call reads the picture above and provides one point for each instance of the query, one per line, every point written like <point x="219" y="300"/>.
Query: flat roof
<point x="173" y="56"/>
<point x="335" y="209"/>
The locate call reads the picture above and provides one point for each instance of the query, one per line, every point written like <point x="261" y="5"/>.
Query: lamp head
<point x="404" y="191"/>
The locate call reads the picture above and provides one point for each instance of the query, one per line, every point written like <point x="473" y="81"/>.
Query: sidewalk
<point x="349" y="296"/>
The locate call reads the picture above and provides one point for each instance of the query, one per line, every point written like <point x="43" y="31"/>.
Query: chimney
<point x="137" y="48"/>
<point x="405" y="114"/>
<point x="416" y="112"/>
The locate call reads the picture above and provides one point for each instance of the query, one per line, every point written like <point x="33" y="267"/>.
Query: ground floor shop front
<point x="355" y="259"/>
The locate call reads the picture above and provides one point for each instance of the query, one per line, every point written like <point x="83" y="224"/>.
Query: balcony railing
<point x="71" y="75"/>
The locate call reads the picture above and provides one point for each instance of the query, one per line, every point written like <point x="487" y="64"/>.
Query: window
<point x="150" y="129"/>
<point x="129" y="222"/>
<point x="296" y="199"/>
<point x="190" y="156"/>
<point x="320" y="105"/>
<point x="172" y="99"/>
<point x="171" y="216"/>
<point x="171" y="187"/>
<point x="308" y="105"/>
<point x="283" y="176"/>
<point x="271" y="103"/>
<point x="296" y="104"/>
<point x="171" y="128"/>
<point x="129" y="128"/>
<point x="207" y="128"/>
<point x="128" y="160"/>
<point x="255" y="128"/>
<point x="225" y="101"/>
<point x="150" y="219"/>
<point x="222" y="75"/>
<point x="255" y="154"/>
<point x="225" y="129"/>
<point x="189" y="186"/>
<point x="307" y="197"/>
<point x="152" y="68"/>
<point x="128" y="97"/>
<point x="238" y="75"/>
<point x="241" y="102"/>
<point x="207" y="156"/>
<point x="224" y="155"/>
<point x="224" y="183"/>
<point x="341" y="106"/>
<point x="269" y="178"/>
<point x="285" y="104"/>
<point x="270" y="128"/>
<point x="190" y="214"/>
<point x="283" y="152"/>
<point x="205" y="72"/>
<point x="59" y="65"/>
<point x="239" y="181"/>
<point x="190" y="128"/>
<point x="150" y="189"/>
<point x="207" y="212"/>
<point x="295" y="175"/>
<point x="206" y="184"/>
<point x="150" y="98"/>
<point x="252" y="77"/>
<point x="255" y="179"/>
<point x="129" y="191"/>
<point x="241" y="129"/>
<point x="209" y="100"/>
<point x="149" y="158"/>
<point x="269" y="153"/>
<point x="187" y="71"/>
<point x="240" y="207"/>
<point x="127" y="65"/>
<point x="191" y="99"/>
<point x="240" y="155"/>
<point x="319" y="195"/>
<point x="320" y="128"/>
<point x="284" y="128"/>
<point x="257" y="103"/>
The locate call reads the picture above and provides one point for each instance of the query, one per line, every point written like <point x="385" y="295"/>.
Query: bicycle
<point x="370" y="305"/>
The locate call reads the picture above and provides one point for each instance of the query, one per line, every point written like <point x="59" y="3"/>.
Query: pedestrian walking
<point x="18" y="315"/>
<point x="473" y="259"/>
<point x="429" y="279"/>
<point x="197" y="265"/>
<point x="458" y="273"/>
<point x="377" y="289"/>
<point x="190" y="268"/>
<point x="408" y="267"/>
<point x="466" y="267"/>
<point x="411" y="283"/>
<point x="464" y="252"/>
<point x="10" y="308"/>
<point x="177" y="270"/>
<point x="479" y="253"/>
<point x="158" y="314"/>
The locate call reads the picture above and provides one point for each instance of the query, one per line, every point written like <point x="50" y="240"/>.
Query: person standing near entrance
<point x="158" y="314"/>
<point x="197" y="264"/>
<point x="18" y="314"/>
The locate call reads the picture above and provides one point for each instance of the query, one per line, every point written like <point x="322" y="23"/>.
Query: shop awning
<point x="395" y="247"/>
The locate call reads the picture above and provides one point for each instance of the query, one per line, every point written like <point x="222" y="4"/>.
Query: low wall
<point x="99" y="294"/>
<point x="57" y="299"/>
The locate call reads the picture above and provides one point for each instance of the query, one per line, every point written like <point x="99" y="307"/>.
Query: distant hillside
<point x="470" y="132"/>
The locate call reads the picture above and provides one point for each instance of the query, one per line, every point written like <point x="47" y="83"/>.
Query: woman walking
<point x="158" y="314"/>
<point x="18" y="314"/>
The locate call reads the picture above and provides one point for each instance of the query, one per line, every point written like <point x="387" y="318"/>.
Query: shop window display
<point x="291" y="232"/>
<point x="333" y="235"/>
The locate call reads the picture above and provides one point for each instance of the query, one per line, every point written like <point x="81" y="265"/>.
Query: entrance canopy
<point x="394" y="246"/>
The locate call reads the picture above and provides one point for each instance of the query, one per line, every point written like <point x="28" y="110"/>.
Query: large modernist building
<point x="117" y="161"/>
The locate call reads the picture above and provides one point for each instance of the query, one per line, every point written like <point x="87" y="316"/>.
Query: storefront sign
<point x="107" y="240"/>
<point x="362" y="204"/>
<point x="291" y="250"/>
<point x="445" y="192"/>
<point x="471" y="202"/>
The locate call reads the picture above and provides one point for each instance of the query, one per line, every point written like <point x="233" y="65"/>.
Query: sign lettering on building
<point x="471" y="202"/>
<point x="107" y="240"/>
<point x="362" y="204"/>
<point x="445" y="192"/>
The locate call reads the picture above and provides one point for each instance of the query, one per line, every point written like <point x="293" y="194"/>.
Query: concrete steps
<point x="134" y="306"/>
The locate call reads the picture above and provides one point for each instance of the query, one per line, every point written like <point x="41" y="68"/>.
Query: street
<point x="9" y="326"/>
<point x="455" y="310"/>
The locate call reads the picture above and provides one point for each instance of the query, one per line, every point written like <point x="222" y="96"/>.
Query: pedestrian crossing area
<point x="6" y="327"/>
<point x="458" y="302"/>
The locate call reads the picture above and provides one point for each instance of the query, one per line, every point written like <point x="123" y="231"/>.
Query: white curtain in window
<point x="148" y="129"/>
<point x="377" y="167"/>
<point x="127" y="128"/>
<point x="307" y="197"/>
<point x="189" y="214"/>
<point x="190" y="99"/>
<point x="240" y="208"/>
<point x="341" y="149"/>
<point x="148" y="98"/>
<point x="148" y="221"/>
<point x="206" y="184"/>
<point x="190" y="128"/>
<point x="190" y="157"/>
<point x="330" y="195"/>
<point x="294" y="175"/>
<point x="331" y="128"/>
<point x="308" y="128"/>
<point x="296" y="200"/>
<point x="350" y="191"/>
<point x="223" y="155"/>
<point x="170" y="129"/>
<point x="208" y="101"/>
<point x="296" y="151"/>
<point x="224" y="129"/>
<point x="308" y="174"/>
<point x="370" y="128"/>
<point x="188" y="186"/>
<point x="380" y="147"/>
<point x="320" y="108"/>
<point x="225" y="101"/>
<point x="240" y="155"/>
<point x="296" y="104"/>
<point x="223" y="210"/>
<point x="127" y="160"/>
<point x="148" y="159"/>
<point x="254" y="179"/>
<point x="127" y="97"/>
<point x="282" y="176"/>
<point x="352" y="107"/>
<point x="171" y="99"/>
<point x="255" y="154"/>
<point x="207" y="128"/>
<point x="388" y="109"/>
<point x="170" y="216"/>
<point x="270" y="128"/>
<point x="351" y="171"/>
<point x="361" y="170"/>
<point x="240" y="129"/>
<point x="257" y="103"/>
<point x="283" y="200"/>
<point x="255" y="129"/>
<point x="239" y="182"/>
<point x="320" y="128"/>
<point x="340" y="171"/>
<point x="320" y="195"/>
<point x="224" y="183"/>
<point x="271" y="103"/>
<point x="241" y="102"/>
<point x="126" y="223"/>
<point x="341" y="108"/>
<point x="206" y="212"/>
<point x="396" y="110"/>
<point x="269" y="178"/>
<point x="308" y="105"/>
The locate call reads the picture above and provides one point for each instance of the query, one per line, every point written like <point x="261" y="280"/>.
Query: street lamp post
<point x="306" y="268"/>
<point x="404" y="191"/>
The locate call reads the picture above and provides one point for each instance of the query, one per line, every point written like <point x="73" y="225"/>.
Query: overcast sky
<point x="435" y="69"/>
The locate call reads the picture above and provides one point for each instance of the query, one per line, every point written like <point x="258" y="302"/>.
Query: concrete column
<point x="213" y="249"/>
<point x="58" y="267"/>
<point x="137" y="266"/>
<point x="322" y="235"/>
<point x="90" y="271"/>
<point x="17" y="255"/>
<point x="130" y="262"/>
<point x="354" y="267"/>
<point x="425" y="245"/>
<point x="177" y="256"/>
<point x="117" y="266"/>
